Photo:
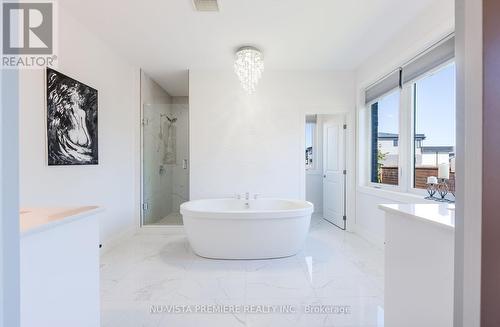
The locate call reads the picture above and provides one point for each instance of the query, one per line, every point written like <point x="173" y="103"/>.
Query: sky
<point x="435" y="108"/>
<point x="309" y="134"/>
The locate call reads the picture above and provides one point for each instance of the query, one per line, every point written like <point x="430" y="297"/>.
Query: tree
<point x="381" y="156"/>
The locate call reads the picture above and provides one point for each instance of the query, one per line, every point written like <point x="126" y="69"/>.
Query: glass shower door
<point x="164" y="164"/>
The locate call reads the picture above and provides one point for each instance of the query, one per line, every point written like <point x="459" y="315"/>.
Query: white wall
<point x="255" y="143"/>
<point x="429" y="27"/>
<point x="9" y="200"/>
<point x="113" y="183"/>
<point x="469" y="54"/>
<point x="152" y="92"/>
<point x="314" y="190"/>
<point x="370" y="220"/>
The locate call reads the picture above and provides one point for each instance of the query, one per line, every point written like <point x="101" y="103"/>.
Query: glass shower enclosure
<point x="165" y="164"/>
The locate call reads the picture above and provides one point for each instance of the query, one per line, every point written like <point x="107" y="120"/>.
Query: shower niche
<point x="165" y="162"/>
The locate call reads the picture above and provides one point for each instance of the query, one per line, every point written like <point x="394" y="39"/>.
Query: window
<point x="385" y="139"/>
<point x="310" y="141"/>
<point x="410" y="123"/>
<point x="434" y="125"/>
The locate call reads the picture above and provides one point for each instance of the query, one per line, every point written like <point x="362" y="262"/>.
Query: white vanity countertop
<point x="441" y="214"/>
<point x="34" y="220"/>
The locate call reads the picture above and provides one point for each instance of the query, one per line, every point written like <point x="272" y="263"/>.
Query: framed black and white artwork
<point x="71" y="121"/>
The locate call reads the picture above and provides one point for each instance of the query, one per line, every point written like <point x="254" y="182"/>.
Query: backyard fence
<point x="390" y="176"/>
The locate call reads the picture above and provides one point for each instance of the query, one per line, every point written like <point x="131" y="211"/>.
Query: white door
<point x="334" y="171"/>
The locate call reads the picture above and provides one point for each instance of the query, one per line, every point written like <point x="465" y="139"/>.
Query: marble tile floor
<point x="156" y="270"/>
<point x="173" y="218"/>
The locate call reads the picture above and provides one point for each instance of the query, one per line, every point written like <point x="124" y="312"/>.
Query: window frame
<point x="406" y="159"/>
<point x="411" y="85"/>
<point x="389" y="187"/>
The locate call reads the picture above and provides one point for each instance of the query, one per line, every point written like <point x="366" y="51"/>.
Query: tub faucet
<point x="247" y="200"/>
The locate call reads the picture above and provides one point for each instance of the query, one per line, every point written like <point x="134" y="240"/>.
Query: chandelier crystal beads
<point x="249" y="65"/>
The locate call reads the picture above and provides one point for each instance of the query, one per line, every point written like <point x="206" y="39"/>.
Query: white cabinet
<point x="419" y="249"/>
<point x="60" y="267"/>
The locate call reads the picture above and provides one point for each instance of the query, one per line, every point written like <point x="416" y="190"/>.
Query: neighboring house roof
<point x="394" y="136"/>
<point x="438" y="149"/>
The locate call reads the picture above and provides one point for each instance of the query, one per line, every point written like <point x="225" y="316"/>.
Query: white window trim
<point x="411" y="176"/>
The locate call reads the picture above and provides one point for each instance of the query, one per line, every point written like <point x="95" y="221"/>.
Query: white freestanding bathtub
<point x="242" y="229"/>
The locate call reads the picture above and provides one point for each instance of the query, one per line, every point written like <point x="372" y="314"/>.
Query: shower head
<point x="172" y="120"/>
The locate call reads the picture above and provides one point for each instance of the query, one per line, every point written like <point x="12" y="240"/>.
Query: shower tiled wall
<point x="180" y="185"/>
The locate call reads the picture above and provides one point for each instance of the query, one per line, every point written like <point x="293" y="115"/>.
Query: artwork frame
<point x="71" y="121"/>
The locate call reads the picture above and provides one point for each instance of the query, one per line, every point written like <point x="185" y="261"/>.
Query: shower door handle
<point x="184" y="164"/>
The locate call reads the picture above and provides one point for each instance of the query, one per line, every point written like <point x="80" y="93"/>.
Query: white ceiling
<point x="168" y="37"/>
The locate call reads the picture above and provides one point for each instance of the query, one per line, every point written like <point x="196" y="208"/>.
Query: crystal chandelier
<point x="249" y="65"/>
